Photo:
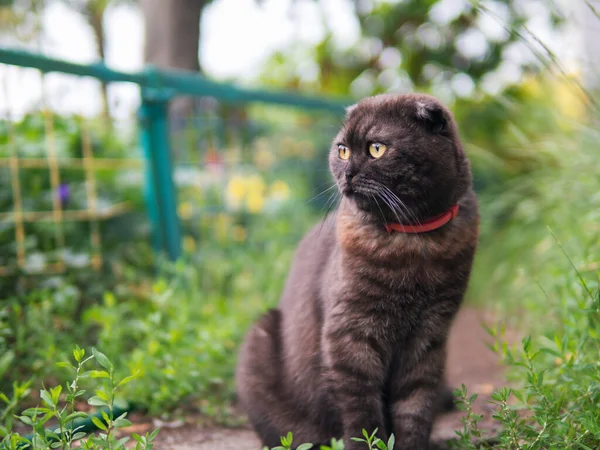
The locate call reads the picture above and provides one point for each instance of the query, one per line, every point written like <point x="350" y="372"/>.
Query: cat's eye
<point x="344" y="152"/>
<point x="377" y="150"/>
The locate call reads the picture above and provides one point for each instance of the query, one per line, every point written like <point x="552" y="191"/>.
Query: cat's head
<point x="399" y="157"/>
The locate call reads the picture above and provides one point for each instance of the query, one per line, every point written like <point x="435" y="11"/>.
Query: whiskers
<point x="322" y="193"/>
<point x="332" y="201"/>
<point x="401" y="212"/>
<point x="374" y="197"/>
<point x="399" y="203"/>
<point x="380" y="195"/>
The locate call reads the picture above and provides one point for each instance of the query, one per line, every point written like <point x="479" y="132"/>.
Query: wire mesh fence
<point x="57" y="181"/>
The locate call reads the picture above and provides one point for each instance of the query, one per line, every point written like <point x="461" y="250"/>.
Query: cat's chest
<point x="380" y="291"/>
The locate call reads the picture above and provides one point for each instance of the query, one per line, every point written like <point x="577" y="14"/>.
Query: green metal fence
<point x="157" y="89"/>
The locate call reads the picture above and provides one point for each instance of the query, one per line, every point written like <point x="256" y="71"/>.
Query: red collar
<point x="429" y="225"/>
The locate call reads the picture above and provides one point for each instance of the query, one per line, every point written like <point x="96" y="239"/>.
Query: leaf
<point x="391" y="442"/>
<point x="79" y="435"/>
<point x="55" y="393"/>
<point x="65" y="365"/>
<point x="102" y="395"/>
<point x="97" y="374"/>
<point x="355" y="439"/>
<point x="127" y="379"/>
<point x="379" y="443"/>
<point x="76" y="415"/>
<point x="99" y="424"/>
<point x="32" y="412"/>
<point x="154" y="433"/>
<point x="540" y="379"/>
<point x="78" y="354"/>
<point x="26" y="420"/>
<point x="122" y="423"/>
<point x="122" y="416"/>
<point x="306" y="446"/>
<point x="52" y="434"/>
<point x="102" y="359"/>
<point x="45" y="395"/>
<point x="97" y="401"/>
<point x="5" y="361"/>
<point x="121" y="442"/>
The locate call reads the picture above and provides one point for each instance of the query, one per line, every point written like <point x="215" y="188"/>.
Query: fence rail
<point x="170" y="83"/>
<point x="157" y="88"/>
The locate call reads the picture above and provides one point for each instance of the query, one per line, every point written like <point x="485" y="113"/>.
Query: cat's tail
<point x="258" y="376"/>
<point x="261" y="390"/>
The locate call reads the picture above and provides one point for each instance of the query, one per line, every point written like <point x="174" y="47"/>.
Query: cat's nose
<point x="349" y="176"/>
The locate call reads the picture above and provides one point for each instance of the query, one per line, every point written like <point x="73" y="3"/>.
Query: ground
<point x="469" y="362"/>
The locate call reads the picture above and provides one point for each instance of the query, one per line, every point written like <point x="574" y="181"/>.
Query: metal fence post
<point x="161" y="199"/>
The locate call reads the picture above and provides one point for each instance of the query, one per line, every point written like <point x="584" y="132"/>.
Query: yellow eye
<point x="344" y="152"/>
<point x="377" y="150"/>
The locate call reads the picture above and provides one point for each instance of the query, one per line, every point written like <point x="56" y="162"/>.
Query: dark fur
<point x="358" y="340"/>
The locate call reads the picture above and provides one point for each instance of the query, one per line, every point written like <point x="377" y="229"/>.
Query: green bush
<point x="56" y="421"/>
<point x="538" y="268"/>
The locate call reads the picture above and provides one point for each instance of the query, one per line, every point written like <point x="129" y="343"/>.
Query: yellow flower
<point x="185" y="210"/>
<point x="248" y="192"/>
<point x="236" y="190"/>
<point x="255" y="182"/>
<point x="255" y="201"/>
<point x="239" y="233"/>
<point x="280" y="190"/>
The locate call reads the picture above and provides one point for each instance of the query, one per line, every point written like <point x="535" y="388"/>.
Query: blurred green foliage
<point x="245" y="200"/>
<point x="450" y="47"/>
<point x="538" y="269"/>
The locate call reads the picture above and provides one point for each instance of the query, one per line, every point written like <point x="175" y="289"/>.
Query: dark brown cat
<point x="358" y="340"/>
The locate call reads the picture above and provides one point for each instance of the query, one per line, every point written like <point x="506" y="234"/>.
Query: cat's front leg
<point x="355" y="377"/>
<point x="414" y="405"/>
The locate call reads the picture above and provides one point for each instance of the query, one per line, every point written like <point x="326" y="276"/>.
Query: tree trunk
<point x="172" y="39"/>
<point x="95" y="16"/>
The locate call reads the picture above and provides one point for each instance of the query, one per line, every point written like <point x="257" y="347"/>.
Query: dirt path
<point x="470" y="362"/>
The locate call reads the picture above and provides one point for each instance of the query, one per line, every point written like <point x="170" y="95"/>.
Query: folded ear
<point x="349" y="109"/>
<point x="433" y="116"/>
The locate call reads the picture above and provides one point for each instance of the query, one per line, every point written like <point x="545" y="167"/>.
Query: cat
<point x="359" y="337"/>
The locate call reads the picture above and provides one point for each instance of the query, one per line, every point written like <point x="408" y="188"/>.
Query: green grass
<point x="178" y="328"/>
